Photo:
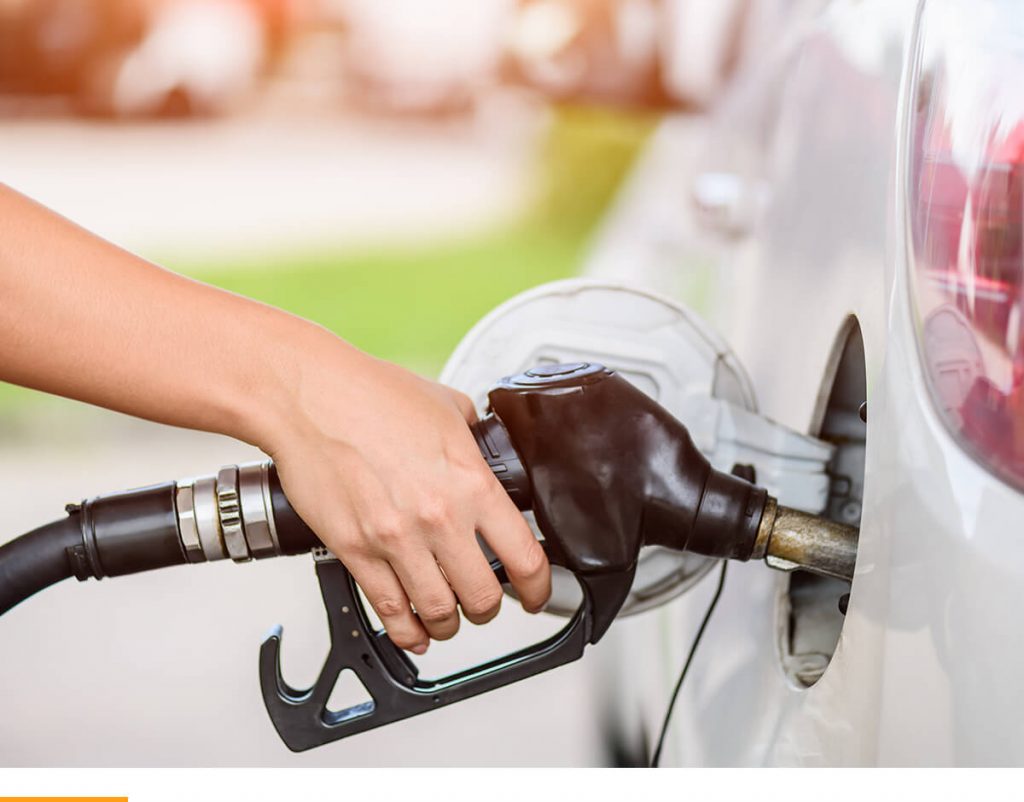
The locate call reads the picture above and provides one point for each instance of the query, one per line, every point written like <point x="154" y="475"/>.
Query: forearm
<point x="85" y="319"/>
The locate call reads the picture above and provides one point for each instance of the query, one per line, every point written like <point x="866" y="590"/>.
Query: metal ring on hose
<point x="187" y="528"/>
<point x="204" y="505"/>
<point x="268" y="502"/>
<point x="257" y="517"/>
<point x="229" y="511"/>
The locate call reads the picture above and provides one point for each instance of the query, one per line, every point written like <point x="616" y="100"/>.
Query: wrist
<point x="298" y="357"/>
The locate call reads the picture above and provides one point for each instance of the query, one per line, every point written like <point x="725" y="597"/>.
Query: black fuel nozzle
<point x="608" y="470"/>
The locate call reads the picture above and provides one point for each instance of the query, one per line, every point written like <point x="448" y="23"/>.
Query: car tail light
<point x="965" y="202"/>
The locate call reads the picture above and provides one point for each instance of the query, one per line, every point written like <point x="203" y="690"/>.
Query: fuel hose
<point x="36" y="560"/>
<point x="240" y="513"/>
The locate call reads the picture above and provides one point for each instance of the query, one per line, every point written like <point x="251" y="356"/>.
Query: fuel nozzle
<point x="607" y="470"/>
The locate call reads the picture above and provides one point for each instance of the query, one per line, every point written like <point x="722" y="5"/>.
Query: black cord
<point x="686" y="666"/>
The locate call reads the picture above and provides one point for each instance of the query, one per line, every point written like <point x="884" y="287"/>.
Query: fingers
<point x="429" y="592"/>
<point x="385" y="593"/>
<point x="471" y="577"/>
<point x="511" y="539"/>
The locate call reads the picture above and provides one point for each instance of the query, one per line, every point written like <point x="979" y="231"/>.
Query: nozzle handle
<point x="301" y="716"/>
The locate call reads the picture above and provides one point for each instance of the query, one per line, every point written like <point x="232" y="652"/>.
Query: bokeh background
<point x="392" y="169"/>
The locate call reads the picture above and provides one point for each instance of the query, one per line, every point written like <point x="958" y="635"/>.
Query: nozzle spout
<point x="789" y="539"/>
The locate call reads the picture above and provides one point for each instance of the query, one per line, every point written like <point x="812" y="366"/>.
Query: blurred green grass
<point x="412" y="303"/>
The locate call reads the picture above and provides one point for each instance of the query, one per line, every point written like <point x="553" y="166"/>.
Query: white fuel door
<point x="668" y="352"/>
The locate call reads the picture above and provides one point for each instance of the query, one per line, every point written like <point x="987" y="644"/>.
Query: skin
<point x="379" y="462"/>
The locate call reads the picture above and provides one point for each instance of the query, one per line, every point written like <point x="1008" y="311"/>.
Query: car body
<point x="840" y="210"/>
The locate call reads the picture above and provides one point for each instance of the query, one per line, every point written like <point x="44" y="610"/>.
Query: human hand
<point x="381" y="464"/>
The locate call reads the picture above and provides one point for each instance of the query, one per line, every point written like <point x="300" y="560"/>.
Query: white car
<point x="870" y="179"/>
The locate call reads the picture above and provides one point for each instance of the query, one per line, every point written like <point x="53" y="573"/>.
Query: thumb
<point x="464" y="403"/>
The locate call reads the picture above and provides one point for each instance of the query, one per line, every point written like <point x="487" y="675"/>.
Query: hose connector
<point x="229" y="514"/>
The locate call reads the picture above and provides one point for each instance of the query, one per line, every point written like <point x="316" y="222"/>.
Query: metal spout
<point x="788" y="540"/>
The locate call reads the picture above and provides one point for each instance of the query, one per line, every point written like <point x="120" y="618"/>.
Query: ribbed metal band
<point x="230" y="512"/>
<point x="228" y="515"/>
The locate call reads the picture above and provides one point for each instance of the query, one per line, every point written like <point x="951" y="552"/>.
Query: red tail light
<point x="966" y="219"/>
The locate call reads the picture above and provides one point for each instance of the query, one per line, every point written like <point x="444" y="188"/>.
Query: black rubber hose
<point x="36" y="560"/>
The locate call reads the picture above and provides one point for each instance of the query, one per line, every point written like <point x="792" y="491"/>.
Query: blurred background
<point x="392" y="169"/>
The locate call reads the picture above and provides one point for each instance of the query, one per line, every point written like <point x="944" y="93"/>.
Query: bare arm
<point x="379" y="462"/>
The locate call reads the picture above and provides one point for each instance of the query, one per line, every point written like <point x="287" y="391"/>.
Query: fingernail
<point x="420" y="648"/>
